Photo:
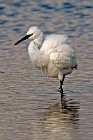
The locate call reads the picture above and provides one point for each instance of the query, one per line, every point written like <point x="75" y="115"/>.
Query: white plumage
<point x="53" y="55"/>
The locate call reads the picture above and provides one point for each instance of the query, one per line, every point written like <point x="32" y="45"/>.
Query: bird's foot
<point x="62" y="95"/>
<point x="60" y="90"/>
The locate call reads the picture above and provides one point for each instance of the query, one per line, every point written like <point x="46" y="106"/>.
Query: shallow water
<point x="30" y="106"/>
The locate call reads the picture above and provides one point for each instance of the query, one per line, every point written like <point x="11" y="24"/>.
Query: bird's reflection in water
<point x="60" y="121"/>
<point x="71" y="108"/>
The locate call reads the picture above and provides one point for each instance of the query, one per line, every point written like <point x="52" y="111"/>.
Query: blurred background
<point x="30" y="107"/>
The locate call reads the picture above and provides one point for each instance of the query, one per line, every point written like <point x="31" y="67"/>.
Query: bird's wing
<point x="63" y="57"/>
<point x="53" y="41"/>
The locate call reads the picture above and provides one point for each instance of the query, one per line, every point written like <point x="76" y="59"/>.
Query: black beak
<point x="24" y="38"/>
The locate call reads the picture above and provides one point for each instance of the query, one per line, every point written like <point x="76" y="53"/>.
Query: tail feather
<point x="75" y="67"/>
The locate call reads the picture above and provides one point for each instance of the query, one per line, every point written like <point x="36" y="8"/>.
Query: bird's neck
<point x="38" y="41"/>
<point x="34" y="51"/>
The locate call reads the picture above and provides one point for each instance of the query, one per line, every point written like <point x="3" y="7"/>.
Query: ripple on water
<point x="30" y="106"/>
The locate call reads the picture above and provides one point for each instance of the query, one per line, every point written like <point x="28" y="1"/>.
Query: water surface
<point x="30" y="106"/>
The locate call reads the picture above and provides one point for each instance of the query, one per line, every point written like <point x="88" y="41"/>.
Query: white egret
<point x="53" y="55"/>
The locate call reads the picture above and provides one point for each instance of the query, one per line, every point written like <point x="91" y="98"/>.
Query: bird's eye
<point x="31" y="34"/>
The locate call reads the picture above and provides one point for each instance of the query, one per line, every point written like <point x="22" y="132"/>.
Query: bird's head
<point x="32" y="34"/>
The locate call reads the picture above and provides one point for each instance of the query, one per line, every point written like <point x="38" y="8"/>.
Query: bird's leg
<point x="60" y="88"/>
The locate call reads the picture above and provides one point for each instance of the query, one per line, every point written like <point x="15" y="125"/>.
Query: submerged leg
<point x="60" y="88"/>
